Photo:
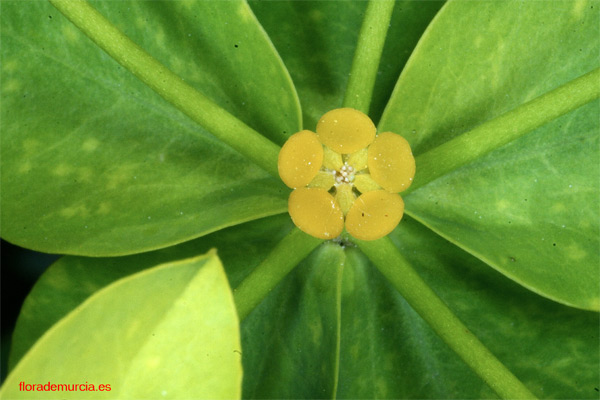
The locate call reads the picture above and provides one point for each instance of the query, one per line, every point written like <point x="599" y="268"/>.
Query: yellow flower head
<point x="345" y="173"/>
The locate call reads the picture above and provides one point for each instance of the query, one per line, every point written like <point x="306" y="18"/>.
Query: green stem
<point x="282" y="259"/>
<point x="368" y="54"/>
<point x="432" y="309"/>
<point x="338" y="314"/>
<point x="504" y="129"/>
<point x="171" y="87"/>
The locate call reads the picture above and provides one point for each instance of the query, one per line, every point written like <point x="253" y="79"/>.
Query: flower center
<point x="344" y="175"/>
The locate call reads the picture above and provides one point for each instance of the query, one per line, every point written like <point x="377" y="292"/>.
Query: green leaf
<point x="280" y="261"/>
<point x="87" y="147"/>
<point x="139" y="350"/>
<point x="442" y="320"/>
<point x="527" y="209"/>
<point x="71" y="280"/>
<point x="311" y="290"/>
<point x="388" y="351"/>
<point x="291" y="340"/>
<point x="316" y="40"/>
<point x="478" y="60"/>
<point x="540" y="226"/>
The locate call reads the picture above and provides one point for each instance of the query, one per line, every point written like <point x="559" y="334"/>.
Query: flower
<point x="345" y="174"/>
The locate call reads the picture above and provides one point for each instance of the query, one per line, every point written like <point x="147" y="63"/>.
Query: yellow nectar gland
<point x="316" y="212"/>
<point x="300" y="159"/>
<point x="346" y="175"/>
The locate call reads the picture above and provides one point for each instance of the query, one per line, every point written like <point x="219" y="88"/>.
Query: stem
<point x="282" y="259"/>
<point x="171" y="87"/>
<point x="432" y="309"/>
<point x="338" y="312"/>
<point x="504" y="129"/>
<point x="368" y="54"/>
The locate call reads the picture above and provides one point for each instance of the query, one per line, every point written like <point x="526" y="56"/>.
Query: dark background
<point x="19" y="270"/>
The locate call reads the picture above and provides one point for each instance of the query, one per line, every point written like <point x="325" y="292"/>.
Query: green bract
<point x="135" y="157"/>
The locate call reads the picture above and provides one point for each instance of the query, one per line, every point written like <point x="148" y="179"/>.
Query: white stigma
<point x="345" y="174"/>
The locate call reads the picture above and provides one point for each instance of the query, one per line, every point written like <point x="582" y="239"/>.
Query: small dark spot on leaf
<point x="50" y="16"/>
<point x="235" y="45"/>
<point x="596" y="389"/>
<point x="363" y="214"/>
<point x="554" y="244"/>
<point x="513" y="259"/>
<point x="385" y="215"/>
<point x="525" y="199"/>
<point x="510" y="222"/>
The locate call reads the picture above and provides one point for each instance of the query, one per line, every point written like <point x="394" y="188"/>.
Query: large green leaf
<point x="387" y="350"/>
<point x="527" y="210"/>
<point x="480" y="59"/>
<point x="95" y="163"/>
<point x="316" y="39"/>
<point x="540" y="225"/>
<point x="139" y="349"/>
<point x="310" y="291"/>
<point x="71" y="280"/>
<point x="291" y="340"/>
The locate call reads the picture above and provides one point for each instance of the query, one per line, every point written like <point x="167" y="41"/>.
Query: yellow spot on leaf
<point x="10" y="66"/>
<point x="578" y="8"/>
<point x="244" y="12"/>
<point x="558" y="208"/>
<point x="62" y="170"/>
<point x="74" y="211"/>
<point x="502" y="205"/>
<point x="90" y="145"/>
<point x="575" y="252"/>
<point x="11" y="86"/>
<point x="104" y="208"/>
<point x="70" y="33"/>
<point x="25" y="167"/>
<point x="153" y="362"/>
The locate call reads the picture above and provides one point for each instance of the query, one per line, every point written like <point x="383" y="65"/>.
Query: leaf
<point x="86" y="147"/>
<point x="71" y="280"/>
<point x="552" y="348"/>
<point x="291" y="340"/>
<point x="513" y="209"/>
<point x="387" y="350"/>
<point x="139" y="350"/>
<point x="540" y="227"/>
<point x="316" y="40"/>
